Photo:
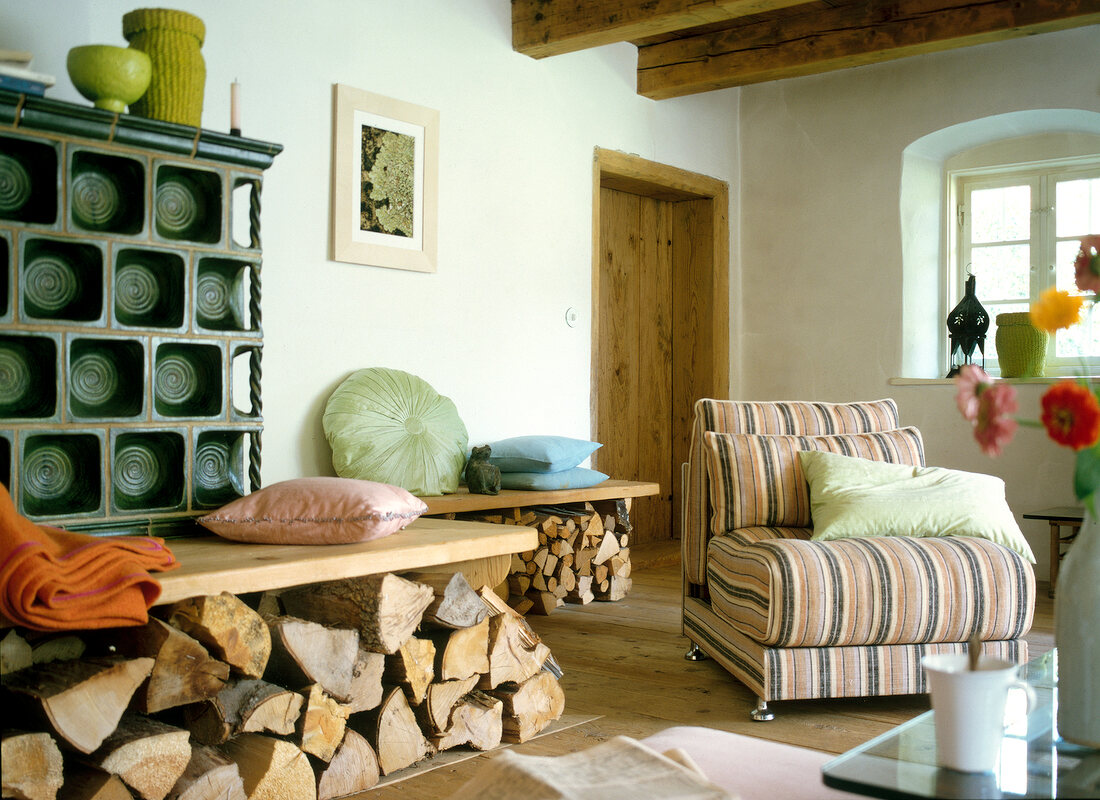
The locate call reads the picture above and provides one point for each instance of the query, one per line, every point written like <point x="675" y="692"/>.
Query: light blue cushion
<point x="576" y="478"/>
<point x="540" y="453"/>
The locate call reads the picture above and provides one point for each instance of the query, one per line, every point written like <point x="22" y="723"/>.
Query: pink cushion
<point x="316" y="511"/>
<point x="750" y="768"/>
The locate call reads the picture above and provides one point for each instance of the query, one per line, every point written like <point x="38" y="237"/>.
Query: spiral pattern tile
<point x="94" y="378"/>
<point x="50" y="283"/>
<point x="177" y="206"/>
<point x="15" y="377"/>
<point x="48" y="473"/>
<point x="176" y="380"/>
<point x="95" y="199"/>
<point x="137" y="291"/>
<point x="137" y="472"/>
<point x="212" y="465"/>
<point x="214" y="295"/>
<point x="15" y="184"/>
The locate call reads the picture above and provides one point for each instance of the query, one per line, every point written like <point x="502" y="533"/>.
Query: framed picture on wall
<point x="385" y="176"/>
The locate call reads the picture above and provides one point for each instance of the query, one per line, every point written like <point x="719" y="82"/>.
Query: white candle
<point x="235" y="106"/>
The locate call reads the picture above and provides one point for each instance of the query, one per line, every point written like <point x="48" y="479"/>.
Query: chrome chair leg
<point x="694" y="653"/>
<point x="762" y="713"/>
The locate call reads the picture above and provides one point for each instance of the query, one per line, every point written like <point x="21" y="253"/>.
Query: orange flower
<point x="1056" y="309"/>
<point x="1071" y="415"/>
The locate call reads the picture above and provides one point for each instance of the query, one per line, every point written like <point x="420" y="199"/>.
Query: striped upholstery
<point x="796" y="619"/>
<point x="783" y="418"/>
<point x="758" y="480"/>
<point x="799" y="673"/>
<point x="779" y="588"/>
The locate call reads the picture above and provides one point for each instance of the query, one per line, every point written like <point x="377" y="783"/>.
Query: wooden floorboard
<point x="624" y="662"/>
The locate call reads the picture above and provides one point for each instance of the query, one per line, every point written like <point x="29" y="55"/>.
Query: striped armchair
<point x="793" y="618"/>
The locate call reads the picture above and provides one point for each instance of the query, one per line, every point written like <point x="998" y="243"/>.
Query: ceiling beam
<point x="543" y="28"/>
<point x="864" y="32"/>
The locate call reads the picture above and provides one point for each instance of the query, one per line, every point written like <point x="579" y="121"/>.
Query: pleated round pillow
<point x="388" y="426"/>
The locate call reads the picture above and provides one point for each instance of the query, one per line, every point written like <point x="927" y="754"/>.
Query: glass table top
<point x="1034" y="761"/>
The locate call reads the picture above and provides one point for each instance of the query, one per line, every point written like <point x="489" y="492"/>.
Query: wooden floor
<point x="624" y="662"/>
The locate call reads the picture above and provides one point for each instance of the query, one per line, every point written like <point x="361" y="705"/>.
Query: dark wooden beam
<point x="543" y="28"/>
<point x="853" y="34"/>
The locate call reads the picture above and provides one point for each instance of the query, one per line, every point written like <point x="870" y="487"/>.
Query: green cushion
<point x="391" y="427"/>
<point x="576" y="478"/>
<point x="540" y="453"/>
<point x="855" y="497"/>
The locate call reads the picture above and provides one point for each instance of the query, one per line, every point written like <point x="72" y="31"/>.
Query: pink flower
<point x="995" y="425"/>
<point x="1086" y="267"/>
<point x="971" y="382"/>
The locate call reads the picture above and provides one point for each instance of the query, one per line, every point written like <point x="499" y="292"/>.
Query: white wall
<point x="515" y="215"/>
<point x="821" y="244"/>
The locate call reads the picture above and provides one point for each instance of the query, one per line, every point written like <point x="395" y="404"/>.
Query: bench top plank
<point x="210" y="565"/>
<point x="462" y="500"/>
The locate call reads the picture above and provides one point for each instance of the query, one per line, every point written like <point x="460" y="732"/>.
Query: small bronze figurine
<point x="481" y="476"/>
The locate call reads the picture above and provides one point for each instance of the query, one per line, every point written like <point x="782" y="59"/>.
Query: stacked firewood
<point x="311" y="693"/>
<point x="583" y="554"/>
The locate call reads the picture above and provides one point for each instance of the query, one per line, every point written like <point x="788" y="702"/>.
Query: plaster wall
<point x="517" y="137"/>
<point x="822" y="304"/>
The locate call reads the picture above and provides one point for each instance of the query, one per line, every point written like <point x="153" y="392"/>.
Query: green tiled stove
<point x="130" y="325"/>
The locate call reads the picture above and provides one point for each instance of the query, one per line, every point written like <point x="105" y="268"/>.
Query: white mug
<point x="969" y="708"/>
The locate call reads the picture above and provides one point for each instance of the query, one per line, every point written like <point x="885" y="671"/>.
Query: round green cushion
<point x="388" y="426"/>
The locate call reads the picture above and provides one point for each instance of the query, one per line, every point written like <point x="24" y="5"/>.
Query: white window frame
<point x="1042" y="176"/>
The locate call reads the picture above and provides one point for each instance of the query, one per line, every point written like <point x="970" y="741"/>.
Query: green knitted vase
<point x="1021" y="347"/>
<point x="172" y="40"/>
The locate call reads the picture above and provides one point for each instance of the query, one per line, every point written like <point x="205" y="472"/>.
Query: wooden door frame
<point x="635" y="175"/>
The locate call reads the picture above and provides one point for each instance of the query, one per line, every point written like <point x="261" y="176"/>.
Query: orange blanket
<point x="56" y="580"/>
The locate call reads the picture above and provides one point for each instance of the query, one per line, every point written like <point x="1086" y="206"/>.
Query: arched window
<point x="1004" y="198"/>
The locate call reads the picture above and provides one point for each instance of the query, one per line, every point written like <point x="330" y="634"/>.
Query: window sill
<point x="951" y="381"/>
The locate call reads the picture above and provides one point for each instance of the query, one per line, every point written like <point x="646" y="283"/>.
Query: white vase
<point x="1077" y="636"/>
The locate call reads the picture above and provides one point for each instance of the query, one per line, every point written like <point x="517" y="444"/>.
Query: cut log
<point x="475" y="721"/>
<point x="440" y="699"/>
<point x="521" y="605"/>
<point x="530" y="706"/>
<point x="366" y="681"/>
<point x="582" y="592"/>
<point x="542" y="603"/>
<point x="82" y="700"/>
<point x="271" y="769"/>
<point x="412" y="668"/>
<point x="519" y="583"/>
<point x="392" y="731"/>
<point x="321" y="725"/>
<point x="57" y="648"/>
<point x="385" y="609"/>
<point x="31" y="765"/>
<point x="511" y="658"/>
<point x="85" y="782"/>
<point x="231" y="630"/>
<point x="15" y="653"/>
<point x="304" y="652"/>
<point x="462" y="653"/>
<point x="147" y="754"/>
<point x="454" y="605"/>
<point x="245" y="706"/>
<point x="617" y="589"/>
<point x="609" y="546"/>
<point x="353" y="769"/>
<point x="209" y="775"/>
<point x="183" y="671"/>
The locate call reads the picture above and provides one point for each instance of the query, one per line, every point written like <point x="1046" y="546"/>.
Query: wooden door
<point x="660" y="323"/>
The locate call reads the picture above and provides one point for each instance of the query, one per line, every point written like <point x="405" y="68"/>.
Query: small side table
<point x="1059" y="517"/>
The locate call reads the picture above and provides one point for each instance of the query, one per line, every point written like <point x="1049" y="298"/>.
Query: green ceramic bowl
<point x="111" y="77"/>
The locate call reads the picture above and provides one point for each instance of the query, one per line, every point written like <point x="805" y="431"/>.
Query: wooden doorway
<point x="660" y="322"/>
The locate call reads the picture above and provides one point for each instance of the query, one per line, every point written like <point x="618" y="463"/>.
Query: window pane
<point x="1000" y="215"/>
<point x="1080" y="340"/>
<point x="1003" y="272"/>
<point x="1078" y="207"/>
<point x="1066" y="254"/>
